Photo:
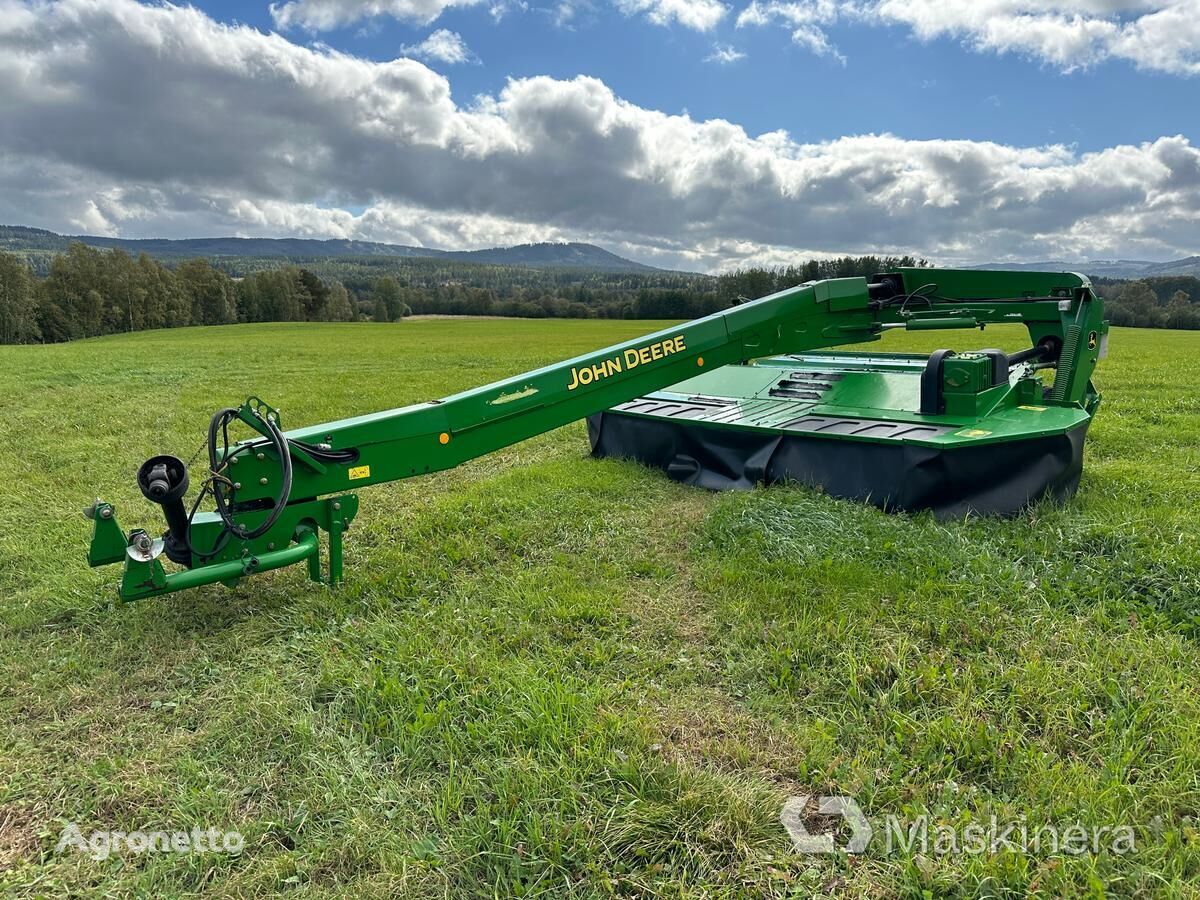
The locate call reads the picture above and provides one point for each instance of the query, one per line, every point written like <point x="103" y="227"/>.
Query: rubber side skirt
<point x="986" y="480"/>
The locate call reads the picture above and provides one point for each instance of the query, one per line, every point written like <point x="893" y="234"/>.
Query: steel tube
<point x="304" y="548"/>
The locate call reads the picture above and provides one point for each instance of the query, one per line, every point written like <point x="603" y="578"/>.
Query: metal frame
<point x="428" y="437"/>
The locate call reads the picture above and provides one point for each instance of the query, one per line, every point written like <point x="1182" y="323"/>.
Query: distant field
<point x="554" y="676"/>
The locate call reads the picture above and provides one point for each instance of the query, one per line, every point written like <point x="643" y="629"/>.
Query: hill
<point x="22" y="239"/>
<point x="545" y="255"/>
<point x="1099" y="268"/>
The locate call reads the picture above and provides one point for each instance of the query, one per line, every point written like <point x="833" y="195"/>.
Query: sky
<point x="692" y="134"/>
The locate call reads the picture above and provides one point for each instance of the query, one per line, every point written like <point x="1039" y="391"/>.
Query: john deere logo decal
<point x="630" y="359"/>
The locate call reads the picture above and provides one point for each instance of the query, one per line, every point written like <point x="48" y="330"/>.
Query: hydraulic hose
<point x="275" y="438"/>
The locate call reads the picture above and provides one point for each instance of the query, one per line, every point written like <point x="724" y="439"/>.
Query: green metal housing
<point x="742" y="355"/>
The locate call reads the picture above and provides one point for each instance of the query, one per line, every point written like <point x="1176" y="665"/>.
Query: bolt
<point x="261" y="457"/>
<point x="237" y="485"/>
<point x="262" y="480"/>
<point x="271" y="546"/>
<point x="337" y="504"/>
<point x="106" y="513"/>
<point x="233" y="460"/>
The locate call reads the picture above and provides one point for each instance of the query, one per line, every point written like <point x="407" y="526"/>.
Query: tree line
<point x="1153" y="302"/>
<point x="87" y="292"/>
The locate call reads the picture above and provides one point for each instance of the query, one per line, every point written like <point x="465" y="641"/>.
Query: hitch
<point x="294" y="541"/>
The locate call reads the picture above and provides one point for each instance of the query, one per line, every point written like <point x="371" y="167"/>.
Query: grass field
<point x="554" y="676"/>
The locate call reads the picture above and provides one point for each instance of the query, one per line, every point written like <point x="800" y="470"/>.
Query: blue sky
<point x="693" y="133"/>
<point x="890" y="81"/>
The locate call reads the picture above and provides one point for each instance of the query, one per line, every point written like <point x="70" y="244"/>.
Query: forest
<point x="86" y="292"/>
<point x="1153" y="302"/>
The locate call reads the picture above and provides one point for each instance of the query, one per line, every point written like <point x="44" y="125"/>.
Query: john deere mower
<point x="726" y="401"/>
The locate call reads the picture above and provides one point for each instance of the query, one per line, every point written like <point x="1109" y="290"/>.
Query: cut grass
<point x="554" y="676"/>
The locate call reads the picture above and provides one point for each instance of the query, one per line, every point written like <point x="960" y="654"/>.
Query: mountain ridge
<point x="574" y="255"/>
<point x="544" y="255"/>
<point x="1129" y="269"/>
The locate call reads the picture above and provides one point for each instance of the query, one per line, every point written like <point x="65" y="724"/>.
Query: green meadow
<point x="552" y="676"/>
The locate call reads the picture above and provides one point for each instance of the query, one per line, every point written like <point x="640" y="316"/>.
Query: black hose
<point x="275" y="438"/>
<point x="285" y="490"/>
<point x="219" y="424"/>
<point x="313" y="450"/>
<point x="224" y="489"/>
<point x="218" y="483"/>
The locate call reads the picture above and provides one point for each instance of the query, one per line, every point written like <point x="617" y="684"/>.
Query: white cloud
<point x="1161" y="35"/>
<point x="442" y="46"/>
<point x="325" y="15"/>
<point x="1069" y="34"/>
<point x="724" y="54"/>
<point x="564" y="13"/>
<point x="701" y="15"/>
<point x="807" y="19"/>
<point x="144" y="120"/>
<point x="501" y="8"/>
